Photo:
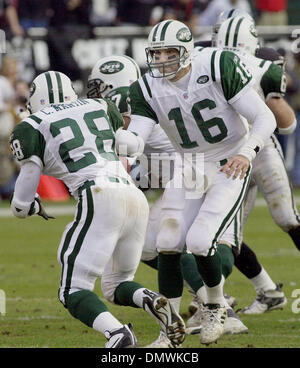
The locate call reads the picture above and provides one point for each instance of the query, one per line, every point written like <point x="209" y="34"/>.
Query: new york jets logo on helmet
<point x="184" y="35"/>
<point x="111" y="67"/>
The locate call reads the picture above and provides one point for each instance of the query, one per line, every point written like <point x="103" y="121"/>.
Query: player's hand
<point x="236" y="166"/>
<point x="42" y="212"/>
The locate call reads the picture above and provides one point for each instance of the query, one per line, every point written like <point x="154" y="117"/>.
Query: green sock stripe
<point x="124" y="293"/>
<point x="85" y="306"/>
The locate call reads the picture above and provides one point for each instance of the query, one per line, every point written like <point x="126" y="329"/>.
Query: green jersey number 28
<point x="104" y="140"/>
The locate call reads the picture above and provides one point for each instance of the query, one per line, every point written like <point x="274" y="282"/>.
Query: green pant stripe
<point x="69" y="235"/>
<point x="79" y="241"/>
<point x="226" y="222"/>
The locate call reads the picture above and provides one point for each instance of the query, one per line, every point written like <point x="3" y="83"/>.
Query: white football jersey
<point x="73" y="142"/>
<point x="200" y="118"/>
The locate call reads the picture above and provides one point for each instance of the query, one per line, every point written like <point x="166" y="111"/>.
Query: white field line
<point x="70" y="210"/>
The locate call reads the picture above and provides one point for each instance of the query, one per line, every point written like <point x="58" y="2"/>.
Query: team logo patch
<point x="32" y="89"/>
<point x="203" y="79"/>
<point x="111" y="67"/>
<point x="184" y="35"/>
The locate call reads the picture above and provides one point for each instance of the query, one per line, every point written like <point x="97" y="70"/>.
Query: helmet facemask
<point x="97" y="88"/>
<point x="160" y="69"/>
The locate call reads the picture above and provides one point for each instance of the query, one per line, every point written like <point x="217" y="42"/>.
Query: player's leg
<point x="273" y="181"/>
<point x="222" y="202"/>
<point x="117" y="281"/>
<point x="177" y="215"/>
<point x="86" y="247"/>
<point x="150" y="254"/>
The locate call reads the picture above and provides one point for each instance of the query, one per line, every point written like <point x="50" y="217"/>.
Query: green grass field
<point x="30" y="274"/>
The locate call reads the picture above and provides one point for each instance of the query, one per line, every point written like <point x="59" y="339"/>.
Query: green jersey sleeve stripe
<point x="35" y="118"/>
<point x="50" y="87"/>
<point x="212" y="65"/>
<point x="262" y="63"/>
<point x="236" y="32"/>
<point x="228" y="32"/>
<point x="147" y="85"/>
<point x="164" y="29"/>
<point x="60" y="90"/>
<point x="139" y="105"/>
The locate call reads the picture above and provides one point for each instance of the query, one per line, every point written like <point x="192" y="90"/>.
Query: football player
<point x="72" y="139"/>
<point x="269" y="173"/>
<point x="198" y="102"/>
<point x="110" y="78"/>
<point x="270" y="295"/>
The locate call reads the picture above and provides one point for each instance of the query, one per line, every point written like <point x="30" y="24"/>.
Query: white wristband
<point x="254" y="144"/>
<point x="289" y="130"/>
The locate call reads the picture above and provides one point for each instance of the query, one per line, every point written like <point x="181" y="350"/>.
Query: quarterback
<point x="199" y="102"/>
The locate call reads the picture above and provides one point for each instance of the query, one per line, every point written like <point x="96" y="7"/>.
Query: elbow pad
<point x="24" y="209"/>
<point x="254" y="144"/>
<point x="128" y="144"/>
<point x="289" y="130"/>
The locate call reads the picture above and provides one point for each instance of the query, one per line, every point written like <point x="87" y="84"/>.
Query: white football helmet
<point x="226" y="14"/>
<point x="238" y="34"/>
<point x="50" y="88"/>
<point x="112" y="72"/>
<point x="169" y="34"/>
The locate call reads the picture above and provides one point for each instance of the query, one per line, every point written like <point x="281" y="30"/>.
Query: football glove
<point x="42" y="211"/>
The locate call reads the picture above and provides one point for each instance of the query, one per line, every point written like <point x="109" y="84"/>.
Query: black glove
<point x="42" y="212"/>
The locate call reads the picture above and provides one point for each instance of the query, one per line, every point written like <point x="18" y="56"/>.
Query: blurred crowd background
<point x="41" y="34"/>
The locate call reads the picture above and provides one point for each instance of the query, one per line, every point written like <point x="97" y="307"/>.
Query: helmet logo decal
<point x="111" y="67"/>
<point x="184" y="35"/>
<point x="203" y="79"/>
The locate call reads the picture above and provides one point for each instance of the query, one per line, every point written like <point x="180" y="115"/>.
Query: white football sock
<point x="215" y="294"/>
<point x="263" y="281"/>
<point x="105" y="321"/>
